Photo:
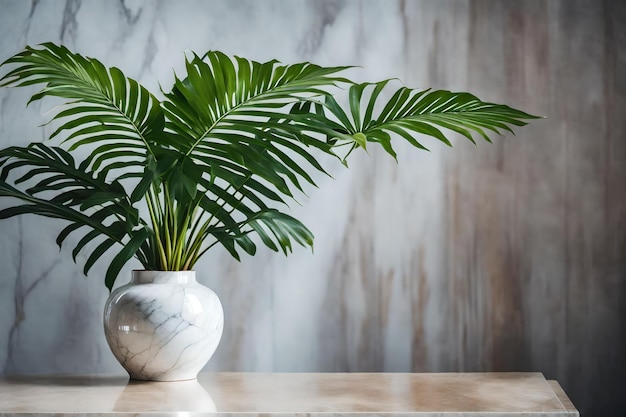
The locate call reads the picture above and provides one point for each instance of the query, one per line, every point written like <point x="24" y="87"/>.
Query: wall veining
<point x="508" y="256"/>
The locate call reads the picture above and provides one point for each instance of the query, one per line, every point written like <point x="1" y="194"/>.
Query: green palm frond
<point x="230" y="120"/>
<point x="232" y="139"/>
<point x="58" y="189"/>
<point x="412" y="112"/>
<point x="114" y="114"/>
<point x="234" y="111"/>
<point x="276" y="230"/>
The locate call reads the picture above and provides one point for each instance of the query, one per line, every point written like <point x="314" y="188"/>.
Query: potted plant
<point x="164" y="179"/>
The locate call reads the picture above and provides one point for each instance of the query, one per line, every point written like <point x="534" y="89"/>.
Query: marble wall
<point x="504" y="257"/>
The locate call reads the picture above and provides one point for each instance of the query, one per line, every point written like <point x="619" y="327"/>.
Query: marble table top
<point x="290" y="394"/>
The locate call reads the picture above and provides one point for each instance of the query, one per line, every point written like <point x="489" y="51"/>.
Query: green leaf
<point x="143" y="186"/>
<point x="101" y="100"/>
<point x="385" y="140"/>
<point x="68" y="191"/>
<point x="86" y="239"/>
<point x="412" y="113"/>
<point x="360" y="139"/>
<point x="283" y="228"/>
<point x="230" y="139"/>
<point x="123" y="256"/>
<point x="97" y="253"/>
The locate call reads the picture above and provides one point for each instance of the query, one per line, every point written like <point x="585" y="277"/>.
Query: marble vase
<point x="163" y="325"/>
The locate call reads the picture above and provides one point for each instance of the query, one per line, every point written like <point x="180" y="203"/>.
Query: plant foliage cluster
<point x="231" y="140"/>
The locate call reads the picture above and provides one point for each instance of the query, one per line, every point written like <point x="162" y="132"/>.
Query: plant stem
<point x="179" y="251"/>
<point x="158" y="245"/>
<point x="166" y="227"/>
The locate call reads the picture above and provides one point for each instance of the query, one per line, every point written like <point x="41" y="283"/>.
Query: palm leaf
<point x="58" y="189"/>
<point x="238" y="111"/>
<point x="231" y="139"/>
<point x="413" y="112"/>
<point x="277" y="230"/>
<point x="229" y="117"/>
<point x="104" y="106"/>
<point x="276" y="227"/>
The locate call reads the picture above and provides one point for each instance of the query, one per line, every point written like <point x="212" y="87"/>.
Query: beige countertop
<point x="290" y="394"/>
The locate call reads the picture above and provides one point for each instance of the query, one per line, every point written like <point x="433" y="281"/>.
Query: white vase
<point x="163" y="325"/>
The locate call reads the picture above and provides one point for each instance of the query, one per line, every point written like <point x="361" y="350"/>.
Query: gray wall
<point x="503" y="257"/>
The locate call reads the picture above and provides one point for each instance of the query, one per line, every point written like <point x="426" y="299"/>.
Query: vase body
<point x="163" y="325"/>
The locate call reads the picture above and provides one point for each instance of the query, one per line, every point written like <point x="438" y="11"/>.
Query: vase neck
<point x="163" y="277"/>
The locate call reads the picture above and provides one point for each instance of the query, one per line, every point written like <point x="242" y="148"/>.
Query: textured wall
<point x="504" y="257"/>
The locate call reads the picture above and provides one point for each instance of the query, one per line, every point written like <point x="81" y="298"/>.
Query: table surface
<point x="288" y="394"/>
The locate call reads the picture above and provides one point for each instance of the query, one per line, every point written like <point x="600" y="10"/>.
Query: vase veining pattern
<point x="163" y="326"/>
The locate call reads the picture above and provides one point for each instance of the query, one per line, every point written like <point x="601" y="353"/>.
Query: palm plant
<point x="164" y="180"/>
